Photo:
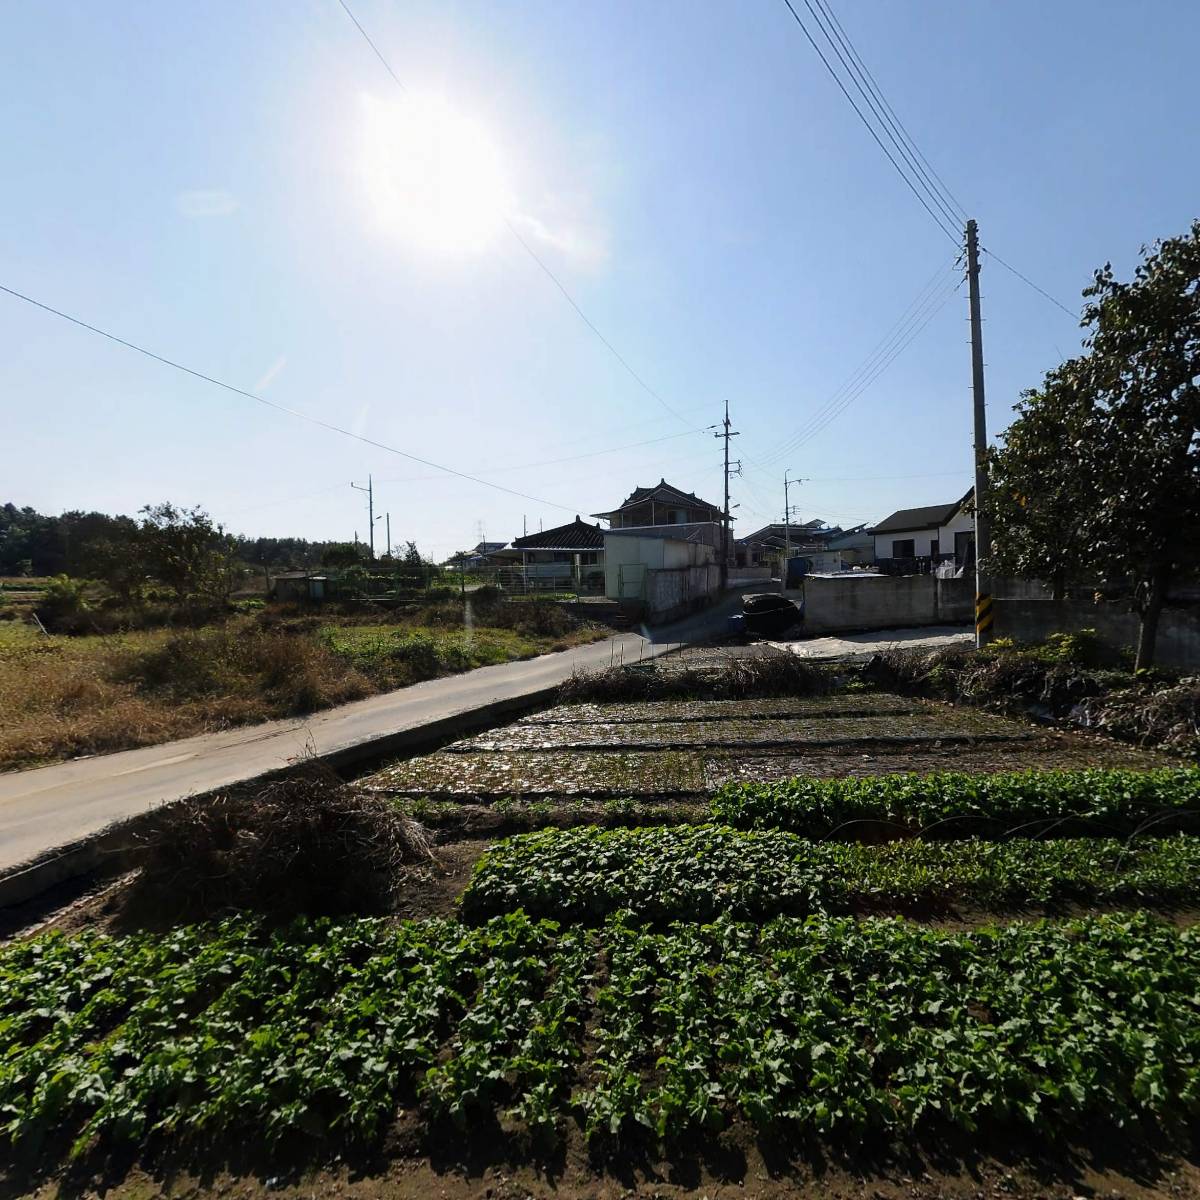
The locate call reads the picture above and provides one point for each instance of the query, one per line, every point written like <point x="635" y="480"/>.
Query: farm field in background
<point x="64" y="696"/>
<point x="733" y="942"/>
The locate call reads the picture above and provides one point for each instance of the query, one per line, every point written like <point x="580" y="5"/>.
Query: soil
<point x="481" y="1164"/>
<point x="1047" y="751"/>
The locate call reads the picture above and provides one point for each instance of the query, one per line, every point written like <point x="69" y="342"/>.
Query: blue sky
<point x="228" y="184"/>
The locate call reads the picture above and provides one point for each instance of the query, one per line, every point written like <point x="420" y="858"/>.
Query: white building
<point x="666" y="569"/>
<point x="921" y="537"/>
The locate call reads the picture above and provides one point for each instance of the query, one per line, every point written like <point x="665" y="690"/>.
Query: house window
<point x="933" y="547"/>
<point x="679" y="516"/>
<point x="904" y="548"/>
<point x="964" y="548"/>
<point x="589" y="559"/>
<point x="563" y="556"/>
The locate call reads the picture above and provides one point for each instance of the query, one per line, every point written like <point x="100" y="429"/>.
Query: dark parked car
<point x="770" y="615"/>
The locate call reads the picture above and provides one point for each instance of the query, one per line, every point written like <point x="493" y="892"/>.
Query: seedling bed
<point x="550" y="773"/>
<point x="653" y="712"/>
<point x="888" y="730"/>
<point x="1057" y="751"/>
<point x="954" y="804"/>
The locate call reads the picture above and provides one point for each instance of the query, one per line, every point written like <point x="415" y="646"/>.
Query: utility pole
<point x="370" y="490"/>
<point x="726" y="434"/>
<point x="388" y="551"/>
<point x="787" y="530"/>
<point x="983" y="539"/>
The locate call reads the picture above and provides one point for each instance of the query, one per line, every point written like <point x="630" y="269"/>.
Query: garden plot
<point x="1046" y="752"/>
<point x="702" y="872"/>
<point x="543" y="773"/>
<point x="919" y="727"/>
<point x="653" y="712"/>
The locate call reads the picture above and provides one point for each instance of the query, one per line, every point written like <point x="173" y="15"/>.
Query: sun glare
<point x="434" y="177"/>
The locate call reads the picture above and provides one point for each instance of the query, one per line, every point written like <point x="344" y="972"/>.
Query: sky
<point x="244" y="189"/>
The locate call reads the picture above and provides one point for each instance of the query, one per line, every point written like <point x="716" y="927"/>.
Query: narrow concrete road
<point x="853" y="645"/>
<point x="51" y="807"/>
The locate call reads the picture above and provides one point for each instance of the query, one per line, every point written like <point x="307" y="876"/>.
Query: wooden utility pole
<point x="983" y="538"/>
<point x="726" y="434"/>
<point x="370" y="490"/>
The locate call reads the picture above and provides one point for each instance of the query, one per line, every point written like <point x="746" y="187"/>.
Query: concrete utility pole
<point x="388" y="550"/>
<point x="983" y="539"/>
<point x="370" y="490"/>
<point x="787" y="530"/>
<point x="726" y="434"/>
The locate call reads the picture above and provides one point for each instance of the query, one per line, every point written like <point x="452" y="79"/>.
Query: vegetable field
<point x="952" y="804"/>
<point x="744" y="923"/>
<point x="702" y="872"/>
<point x="324" y="1032"/>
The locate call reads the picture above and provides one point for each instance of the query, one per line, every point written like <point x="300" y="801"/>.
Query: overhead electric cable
<point x="920" y="321"/>
<point x="1025" y="279"/>
<point x="532" y="253"/>
<point x="878" y="355"/>
<point x="938" y="220"/>
<point x="932" y="179"/>
<point x="292" y="412"/>
<point x="842" y="50"/>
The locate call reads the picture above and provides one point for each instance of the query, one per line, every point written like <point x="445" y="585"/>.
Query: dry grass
<point x="61" y="697"/>
<point x="306" y="845"/>
<point x="759" y="676"/>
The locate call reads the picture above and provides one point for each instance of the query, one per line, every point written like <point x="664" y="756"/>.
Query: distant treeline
<point x="32" y="543"/>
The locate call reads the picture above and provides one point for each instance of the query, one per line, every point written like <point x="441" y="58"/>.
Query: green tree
<point x="186" y="551"/>
<point x="1101" y="470"/>
<point x="345" y="554"/>
<point x="1031" y="488"/>
<point x="1143" y="452"/>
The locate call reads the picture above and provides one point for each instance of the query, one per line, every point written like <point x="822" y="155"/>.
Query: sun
<point x="434" y="177"/>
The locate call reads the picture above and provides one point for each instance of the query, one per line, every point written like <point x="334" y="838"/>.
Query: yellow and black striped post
<point x="983" y="618"/>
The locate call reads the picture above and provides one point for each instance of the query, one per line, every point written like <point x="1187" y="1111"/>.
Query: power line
<point x="922" y="179"/>
<point x="930" y="175"/>
<point x="841" y="49"/>
<point x="1026" y="279"/>
<point x="531" y="252"/>
<point x="292" y="412"/>
<point x="549" y="462"/>
<point x="921" y="320"/>
<point x="866" y="372"/>
<point x="912" y="187"/>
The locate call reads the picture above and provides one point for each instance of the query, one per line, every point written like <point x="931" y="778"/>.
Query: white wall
<point x="627" y="557"/>
<point x="922" y="540"/>
<point x="962" y="522"/>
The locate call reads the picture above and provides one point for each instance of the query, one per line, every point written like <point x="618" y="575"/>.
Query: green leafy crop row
<point x="950" y="804"/>
<point x="317" y="1028"/>
<point x="825" y="1025"/>
<point x="838" y="1027"/>
<point x="702" y="872"/>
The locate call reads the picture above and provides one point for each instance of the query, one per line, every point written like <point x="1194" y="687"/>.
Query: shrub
<point x="63" y="606"/>
<point x="297" y="674"/>
<point x="308" y="845"/>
